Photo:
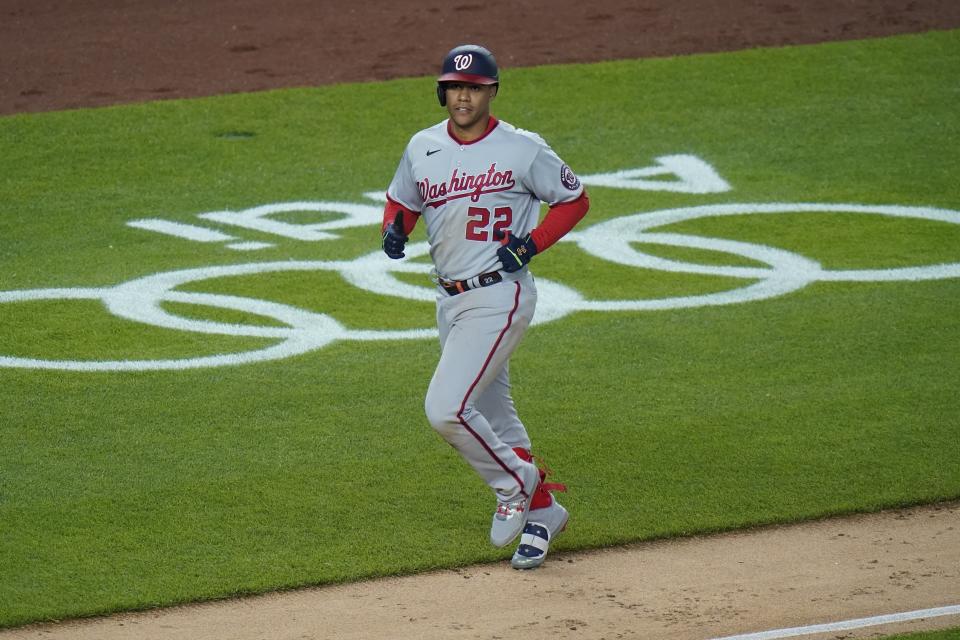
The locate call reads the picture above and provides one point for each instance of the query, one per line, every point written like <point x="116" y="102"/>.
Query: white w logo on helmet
<point x="463" y="61"/>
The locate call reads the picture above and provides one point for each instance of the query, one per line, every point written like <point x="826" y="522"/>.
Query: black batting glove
<point x="394" y="238"/>
<point x="515" y="252"/>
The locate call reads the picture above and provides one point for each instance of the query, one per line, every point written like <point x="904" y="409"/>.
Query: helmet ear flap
<point x="441" y="94"/>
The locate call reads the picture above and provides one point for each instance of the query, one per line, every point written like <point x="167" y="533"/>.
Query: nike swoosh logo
<point x="430" y="153"/>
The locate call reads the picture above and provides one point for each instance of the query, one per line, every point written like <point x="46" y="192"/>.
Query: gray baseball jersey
<point x="466" y="192"/>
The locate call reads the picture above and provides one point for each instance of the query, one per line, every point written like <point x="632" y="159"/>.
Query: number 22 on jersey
<point x="479" y="227"/>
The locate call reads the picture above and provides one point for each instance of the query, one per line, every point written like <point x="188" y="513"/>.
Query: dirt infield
<point x="82" y="53"/>
<point x="85" y="53"/>
<point x="688" y="589"/>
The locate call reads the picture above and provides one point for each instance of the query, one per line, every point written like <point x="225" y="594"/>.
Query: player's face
<point x="469" y="107"/>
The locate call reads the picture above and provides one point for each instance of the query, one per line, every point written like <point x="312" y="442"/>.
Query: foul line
<point x="847" y="624"/>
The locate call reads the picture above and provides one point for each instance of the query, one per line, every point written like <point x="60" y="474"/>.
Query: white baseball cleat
<point x="511" y="515"/>
<point x="543" y="525"/>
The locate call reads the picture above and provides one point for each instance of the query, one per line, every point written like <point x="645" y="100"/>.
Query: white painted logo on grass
<point x="674" y="173"/>
<point x="615" y="240"/>
<point x="690" y="173"/>
<point x="260" y="219"/>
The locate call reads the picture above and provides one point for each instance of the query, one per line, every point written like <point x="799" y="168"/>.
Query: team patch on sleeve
<point x="569" y="178"/>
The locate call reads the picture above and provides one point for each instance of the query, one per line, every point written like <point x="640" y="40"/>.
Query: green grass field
<point x="126" y="489"/>
<point x="948" y="634"/>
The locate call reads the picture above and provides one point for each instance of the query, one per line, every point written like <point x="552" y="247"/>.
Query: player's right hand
<point x="394" y="239"/>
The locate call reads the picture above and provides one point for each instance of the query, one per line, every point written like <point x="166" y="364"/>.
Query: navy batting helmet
<point x="467" y="63"/>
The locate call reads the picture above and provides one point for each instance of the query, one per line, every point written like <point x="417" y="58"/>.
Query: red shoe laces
<point x="546" y="470"/>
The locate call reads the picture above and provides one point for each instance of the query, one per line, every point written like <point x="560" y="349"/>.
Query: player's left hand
<point x="515" y="252"/>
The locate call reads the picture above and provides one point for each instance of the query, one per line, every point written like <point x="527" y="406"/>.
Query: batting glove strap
<point x="516" y="253"/>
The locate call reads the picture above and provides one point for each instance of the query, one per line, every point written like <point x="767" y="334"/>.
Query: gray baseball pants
<point x="468" y="401"/>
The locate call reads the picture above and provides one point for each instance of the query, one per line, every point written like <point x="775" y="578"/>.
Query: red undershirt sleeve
<point x="560" y="219"/>
<point x="410" y="216"/>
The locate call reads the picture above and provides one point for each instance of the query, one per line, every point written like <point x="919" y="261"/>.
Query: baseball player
<point x="477" y="182"/>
